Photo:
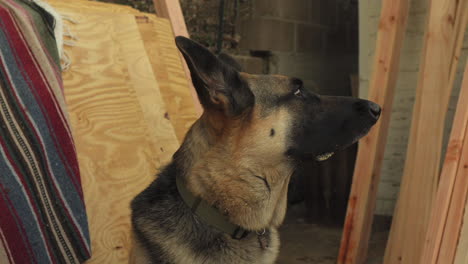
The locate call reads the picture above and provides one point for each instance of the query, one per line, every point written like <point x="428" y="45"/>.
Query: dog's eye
<point x="298" y="93"/>
<point x="297" y="87"/>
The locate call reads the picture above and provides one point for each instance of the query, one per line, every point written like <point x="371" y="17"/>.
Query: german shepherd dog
<point x="223" y="195"/>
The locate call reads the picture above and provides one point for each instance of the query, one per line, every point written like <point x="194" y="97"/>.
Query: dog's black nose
<point x="374" y="110"/>
<point x="368" y="108"/>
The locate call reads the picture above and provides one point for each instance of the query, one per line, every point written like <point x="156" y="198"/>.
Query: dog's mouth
<point x="325" y="156"/>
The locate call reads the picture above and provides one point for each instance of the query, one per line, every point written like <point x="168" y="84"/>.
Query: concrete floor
<point x="307" y="243"/>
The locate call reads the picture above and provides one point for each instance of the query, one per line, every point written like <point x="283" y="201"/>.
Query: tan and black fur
<point x="239" y="157"/>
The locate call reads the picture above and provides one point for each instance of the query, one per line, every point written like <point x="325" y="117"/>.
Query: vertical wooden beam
<point x="361" y="203"/>
<point x="171" y="10"/>
<point x="462" y="249"/>
<point x="448" y="199"/>
<point x="443" y="39"/>
<point x="454" y="222"/>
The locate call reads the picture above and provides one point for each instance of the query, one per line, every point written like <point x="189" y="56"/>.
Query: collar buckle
<point x="261" y="233"/>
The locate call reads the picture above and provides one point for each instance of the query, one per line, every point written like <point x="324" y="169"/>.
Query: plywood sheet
<point x="168" y="69"/>
<point x="170" y="9"/>
<point x="83" y="6"/>
<point x="143" y="80"/>
<point x="117" y="150"/>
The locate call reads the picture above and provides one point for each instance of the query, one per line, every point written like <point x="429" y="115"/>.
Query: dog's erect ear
<point x="219" y="86"/>
<point x="230" y="61"/>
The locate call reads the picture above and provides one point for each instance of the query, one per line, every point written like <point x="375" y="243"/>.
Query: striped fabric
<point x="42" y="212"/>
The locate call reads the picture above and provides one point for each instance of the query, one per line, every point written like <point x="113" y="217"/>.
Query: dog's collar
<point x="209" y="214"/>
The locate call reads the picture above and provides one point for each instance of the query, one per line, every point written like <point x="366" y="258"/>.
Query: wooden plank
<point x="441" y="219"/>
<point x="117" y="151"/>
<point x="443" y="39"/>
<point x="170" y="9"/>
<point x="162" y="52"/>
<point x="462" y="250"/>
<point x="92" y="6"/>
<point x="454" y="222"/>
<point x="361" y="203"/>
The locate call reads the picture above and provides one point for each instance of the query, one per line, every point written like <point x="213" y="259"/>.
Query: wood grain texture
<point x="170" y="9"/>
<point x="447" y="211"/>
<point x="144" y="81"/>
<point x="443" y="38"/>
<point x="117" y="151"/>
<point x="454" y="223"/>
<point x="462" y="249"/>
<point x="168" y="69"/>
<point x="361" y="204"/>
<point x="453" y="226"/>
<point x="80" y="6"/>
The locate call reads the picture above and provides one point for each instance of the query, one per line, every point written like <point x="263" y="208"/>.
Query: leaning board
<point x="462" y="251"/>
<point x="168" y="69"/>
<point x="361" y="204"/>
<point x="117" y="151"/>
<point x="446" y="25"/>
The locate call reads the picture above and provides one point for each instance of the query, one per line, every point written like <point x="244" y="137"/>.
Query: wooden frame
<point x="447" y="213"/>
<point x="362" y="199"/>
<point x="443" y="39"/>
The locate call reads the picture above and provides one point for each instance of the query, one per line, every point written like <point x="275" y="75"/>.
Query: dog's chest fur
<point x="166" y="231"/>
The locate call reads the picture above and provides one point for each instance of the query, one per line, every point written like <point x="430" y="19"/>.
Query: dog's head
<point x="273" y="117"/>
<point x="240" y="154"/>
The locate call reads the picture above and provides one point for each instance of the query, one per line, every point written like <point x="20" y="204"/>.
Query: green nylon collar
<point x="209" y="214"/>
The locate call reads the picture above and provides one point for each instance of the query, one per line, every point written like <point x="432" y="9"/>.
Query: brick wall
<point x="297" y="33"/>
<point x="279" y="25"/>
<point x="395" y="152"/>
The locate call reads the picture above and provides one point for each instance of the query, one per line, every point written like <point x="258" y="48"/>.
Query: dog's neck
<point x="253" y="195"/>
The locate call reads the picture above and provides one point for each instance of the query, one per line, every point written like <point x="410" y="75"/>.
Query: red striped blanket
<point x="42" y="211"/>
